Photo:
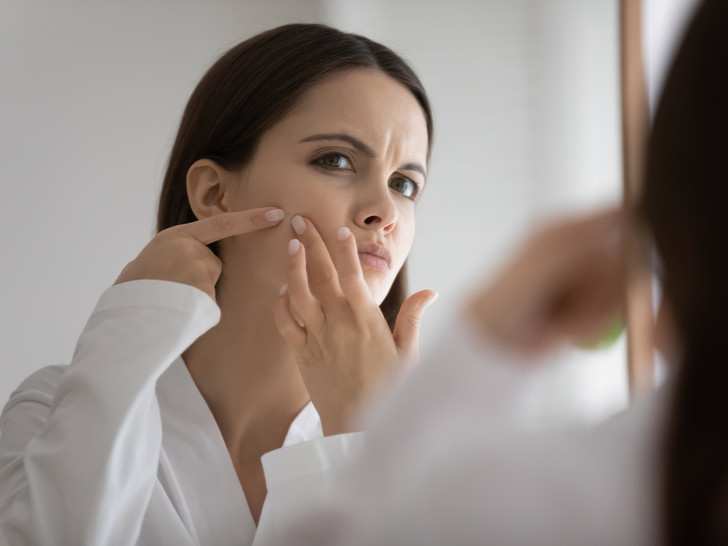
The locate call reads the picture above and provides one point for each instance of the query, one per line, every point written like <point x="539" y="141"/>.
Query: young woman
<point x="447" y="465"/>
<point x="261" y="315"/>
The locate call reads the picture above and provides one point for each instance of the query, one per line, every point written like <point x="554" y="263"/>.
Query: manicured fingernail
<point x="343" y="233"/>
<point x="275" y="215"/>
<point x="299" y="226"/>
<point x="284" y="290"/>
<point x="293" y="246"/>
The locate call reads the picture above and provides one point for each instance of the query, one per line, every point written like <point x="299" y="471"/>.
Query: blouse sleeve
<point x="78" y="462"/>
<point x="299" y="474"/>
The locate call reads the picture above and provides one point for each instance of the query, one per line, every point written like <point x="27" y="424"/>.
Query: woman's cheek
<point x="406" y="231"/>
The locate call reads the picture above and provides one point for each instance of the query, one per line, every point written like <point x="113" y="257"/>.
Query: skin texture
<point x="259" y="367"/>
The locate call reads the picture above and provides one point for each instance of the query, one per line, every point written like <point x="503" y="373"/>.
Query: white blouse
<point x="120" y="447"/>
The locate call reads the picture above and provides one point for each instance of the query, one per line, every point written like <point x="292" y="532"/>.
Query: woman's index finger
<point x="227" y="224"/>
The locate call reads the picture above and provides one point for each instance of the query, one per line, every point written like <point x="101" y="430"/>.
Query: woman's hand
<point x="179" y="254"/>
<point x="566" y="284"/>
<point x="341" y="340"/>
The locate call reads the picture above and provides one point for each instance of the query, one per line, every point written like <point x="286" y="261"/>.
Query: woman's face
<point x="351" y="153"/>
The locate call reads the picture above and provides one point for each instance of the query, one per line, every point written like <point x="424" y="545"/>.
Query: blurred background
<point x="526" y="101"/>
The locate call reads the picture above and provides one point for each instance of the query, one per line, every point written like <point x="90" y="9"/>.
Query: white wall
<point x="664" y="23"/>
<point x="525" y="94"/>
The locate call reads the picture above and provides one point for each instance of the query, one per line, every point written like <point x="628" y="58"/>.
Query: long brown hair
<point x="684" y="204"/>
<point x="253" y="86"/>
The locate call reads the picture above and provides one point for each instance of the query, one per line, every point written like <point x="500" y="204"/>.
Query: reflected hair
<point x="684" y="206"/>
<point x="253" y="86"/>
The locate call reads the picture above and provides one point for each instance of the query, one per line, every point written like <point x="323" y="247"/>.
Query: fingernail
<point x="299" y="226"/>
<point x="275" y="215"/>
<point x="293" y="246"/>
<point x="431" y="300"/>
<point x="343" y="233"/>
<point x="284" y="290"/>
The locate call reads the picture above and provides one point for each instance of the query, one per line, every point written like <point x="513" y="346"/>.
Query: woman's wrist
<point x="338" y="423"/>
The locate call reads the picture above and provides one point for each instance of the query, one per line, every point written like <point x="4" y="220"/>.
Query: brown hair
<point x="684" y="205"/>
<point x="253" y="86"/>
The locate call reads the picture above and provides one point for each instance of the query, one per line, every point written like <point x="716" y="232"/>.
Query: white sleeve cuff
<point x="314" y="457"/>
<point x="298" y="477"/>
<point x="156" y="293"/>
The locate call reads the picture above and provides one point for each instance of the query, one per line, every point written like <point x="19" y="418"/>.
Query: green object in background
<point x="608" y="337"/>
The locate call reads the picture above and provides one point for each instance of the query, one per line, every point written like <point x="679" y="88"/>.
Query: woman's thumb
<point x="407" y="326"/>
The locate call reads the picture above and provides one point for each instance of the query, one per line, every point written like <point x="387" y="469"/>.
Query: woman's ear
<point x="208" y="185"/>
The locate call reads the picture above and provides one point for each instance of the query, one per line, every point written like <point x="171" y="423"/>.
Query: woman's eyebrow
<point x="414" y="167"/>
<point x="359" y="145"/>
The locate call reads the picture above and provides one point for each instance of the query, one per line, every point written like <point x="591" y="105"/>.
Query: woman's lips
<point x="375" y="256"/>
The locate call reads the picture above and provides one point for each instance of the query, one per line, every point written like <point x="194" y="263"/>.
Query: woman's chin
<point x="378" y="288"/>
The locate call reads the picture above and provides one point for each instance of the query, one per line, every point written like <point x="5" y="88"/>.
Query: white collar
<point x="200" y="468"/>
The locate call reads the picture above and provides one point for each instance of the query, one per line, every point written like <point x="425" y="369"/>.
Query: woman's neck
<point x="247" y="374"/>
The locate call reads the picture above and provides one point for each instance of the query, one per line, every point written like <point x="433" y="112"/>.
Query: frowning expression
<point x="352" y="153"/>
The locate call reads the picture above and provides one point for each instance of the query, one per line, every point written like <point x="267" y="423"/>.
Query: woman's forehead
<point x="363" y="101"/>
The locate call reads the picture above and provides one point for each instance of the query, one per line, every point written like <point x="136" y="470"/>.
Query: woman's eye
<point x="405" y="186"/>
<point x="334" y="161"/>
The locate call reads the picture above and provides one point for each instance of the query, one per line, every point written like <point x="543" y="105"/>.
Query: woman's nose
<point x="377" y="212"/>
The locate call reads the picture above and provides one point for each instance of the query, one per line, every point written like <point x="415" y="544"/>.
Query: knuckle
<point x="349" y="283"/>
<point x="357" y="289"/>
<point x="298" y="300"/>
<point x="293" y="267"/>
<point x="292" y="334"/>
<point x="414" y="321"/>
<point x="214" y="263"/>
<point x="322" y="276"/>
<point x="340" y="333"/>
<point x="257" y="219"/>
<point x="289" y="330"/>
<point x="187" y="249"/>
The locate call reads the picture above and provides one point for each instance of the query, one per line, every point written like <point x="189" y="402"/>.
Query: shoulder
<point x="39" y="387"/>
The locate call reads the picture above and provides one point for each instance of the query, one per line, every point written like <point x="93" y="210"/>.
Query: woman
<point x="298" y="160"/>
<point x="448" y="464"/>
